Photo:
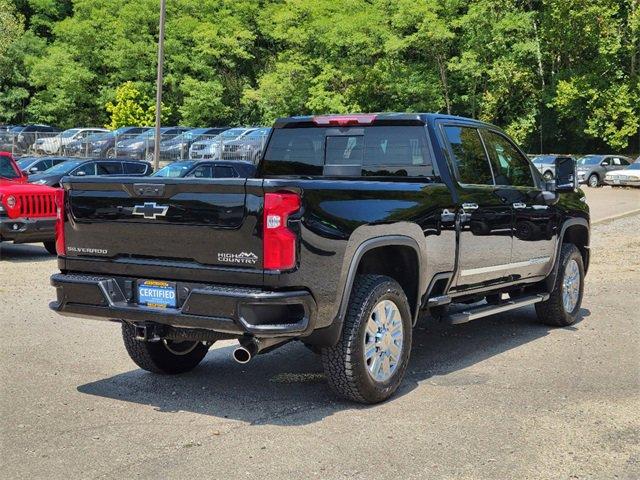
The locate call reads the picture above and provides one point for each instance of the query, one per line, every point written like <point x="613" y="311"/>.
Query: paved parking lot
<point x="502" y="397"/>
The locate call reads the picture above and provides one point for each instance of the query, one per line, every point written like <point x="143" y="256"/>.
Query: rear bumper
<point x="219" y="308"/>
<point x="26" y="230"/>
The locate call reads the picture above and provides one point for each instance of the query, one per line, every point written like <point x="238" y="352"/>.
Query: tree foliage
<point x="558" y="75"/>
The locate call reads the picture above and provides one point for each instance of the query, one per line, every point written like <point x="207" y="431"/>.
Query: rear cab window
<point x="350" y="151"/>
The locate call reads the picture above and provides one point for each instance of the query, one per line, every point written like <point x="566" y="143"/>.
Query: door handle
<point x="519" y="205"/>
<point x="469" y="206"/>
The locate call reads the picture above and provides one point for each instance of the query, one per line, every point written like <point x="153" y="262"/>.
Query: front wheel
<point x="370" y="359"/>
<point x="165" y="356"/>
<point x="111" y="153"/>
<point x="548" y="175"/>
<point x="563" y="305"/>
<point x="593" y="181"/>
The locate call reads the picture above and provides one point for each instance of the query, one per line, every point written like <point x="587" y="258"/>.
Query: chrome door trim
<point x="504" y="266"/>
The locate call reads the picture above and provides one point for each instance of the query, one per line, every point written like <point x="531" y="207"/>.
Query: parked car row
<point x="592" y="170"/>
<point x="138" y="143"/>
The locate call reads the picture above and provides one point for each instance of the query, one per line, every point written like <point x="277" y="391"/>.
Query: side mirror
<point x="33" y="170"/>
<point x="81" y="173"/>
<point x="566" y="177"/>
<point x="25" y="173"/>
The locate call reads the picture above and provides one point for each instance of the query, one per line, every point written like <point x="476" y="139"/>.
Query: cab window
<point x="110" y="168"/>
<point x="469" y="158"/>
<point x="225" y="172"/>
<point x="509" y="166"/>
<point x="86" y="169"/>
<point x="202" y="171"/>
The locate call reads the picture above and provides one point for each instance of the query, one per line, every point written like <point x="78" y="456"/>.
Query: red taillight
<point x="279" y="241"/>
<point x="60" y="248"/>
<point x="345" y="120"/>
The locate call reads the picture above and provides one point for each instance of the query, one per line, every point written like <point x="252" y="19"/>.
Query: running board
<point x="486" y="310"/>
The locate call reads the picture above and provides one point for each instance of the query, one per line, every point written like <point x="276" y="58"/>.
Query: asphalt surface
<point x="499" y="398"/>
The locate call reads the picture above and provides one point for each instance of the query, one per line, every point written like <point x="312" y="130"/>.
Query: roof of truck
<point x="382" y="118"/>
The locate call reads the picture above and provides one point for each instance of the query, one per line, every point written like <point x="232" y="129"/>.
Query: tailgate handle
<point x="148" y="189"/>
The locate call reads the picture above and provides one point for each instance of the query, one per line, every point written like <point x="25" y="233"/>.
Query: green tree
<point x="132" y="108"/>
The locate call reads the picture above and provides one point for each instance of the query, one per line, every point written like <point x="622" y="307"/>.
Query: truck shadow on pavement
<point x="24" y="253"/>
<point x="287" y="387"/>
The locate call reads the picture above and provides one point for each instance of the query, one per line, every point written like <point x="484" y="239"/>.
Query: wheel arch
<point x="575" y="231"/>
<point x="367" y="259"/>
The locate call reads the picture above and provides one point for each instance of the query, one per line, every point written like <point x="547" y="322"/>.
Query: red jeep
<point x="27" y="212"/>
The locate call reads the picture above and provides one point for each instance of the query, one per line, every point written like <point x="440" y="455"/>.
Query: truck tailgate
<point x="192" y="223"/>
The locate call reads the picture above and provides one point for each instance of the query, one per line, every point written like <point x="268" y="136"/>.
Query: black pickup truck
<point x="353" y="227"/>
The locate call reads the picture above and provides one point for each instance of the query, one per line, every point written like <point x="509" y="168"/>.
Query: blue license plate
<point x="154" y="293"/>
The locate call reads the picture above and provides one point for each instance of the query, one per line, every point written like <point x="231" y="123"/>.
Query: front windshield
<point x="175" y="170"/>
<point x="261" y="132"/>
<point x="589" y="160"/>
<point x="69" y="133"/>
<point x="24" y="163"/>
<point x="6" y="168"/>
<point x="232" y="133"/>
<point x="542" y="159"/>
<point x="96" y="137"/>
<point x="196" y="132"/>
<point x="64" y="167"/>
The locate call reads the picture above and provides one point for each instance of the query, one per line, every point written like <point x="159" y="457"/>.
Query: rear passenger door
<point x="535" y="224"/>
<point x="485" y="216"/>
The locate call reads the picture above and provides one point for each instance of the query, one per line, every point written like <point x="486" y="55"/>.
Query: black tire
<point x="157" y="358"/>
<point x="344" y="364"/>
<point x="51" y="247"/>
<point x="548" y="175"/>
<point x="111" y="153"/>
<point x="593" y="180"/>
<point x="552" y="311"/>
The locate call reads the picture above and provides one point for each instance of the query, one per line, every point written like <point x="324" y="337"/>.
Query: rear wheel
<point x="165" y="356"/>
<point x="593" y="181"/>
<point x="563" y="305"/>
<point x="111" y="153"/>
<point x="371" y="357"/>
<point x="51" y="247"/>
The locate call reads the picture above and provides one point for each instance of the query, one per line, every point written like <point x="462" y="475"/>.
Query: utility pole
<point x="156" y="149"/>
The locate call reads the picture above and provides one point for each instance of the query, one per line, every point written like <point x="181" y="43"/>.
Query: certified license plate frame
<point x="162" y="301"/>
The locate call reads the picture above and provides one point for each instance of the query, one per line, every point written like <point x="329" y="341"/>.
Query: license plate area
<point x="157" y="294"/>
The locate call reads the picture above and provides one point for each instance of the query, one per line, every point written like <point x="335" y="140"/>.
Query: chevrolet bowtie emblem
<point x="151" y="210"/>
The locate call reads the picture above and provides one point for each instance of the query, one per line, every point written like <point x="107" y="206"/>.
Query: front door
<point x="484" y="217"/>
<point x="535" y="224"/>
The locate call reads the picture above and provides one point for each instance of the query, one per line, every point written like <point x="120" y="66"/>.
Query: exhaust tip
<point x="242" y="355"/>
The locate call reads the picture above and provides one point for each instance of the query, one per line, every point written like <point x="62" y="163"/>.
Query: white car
<point x="210" y="149"/>
<point x="629" y="176"/>
<point x="56" y="144"/>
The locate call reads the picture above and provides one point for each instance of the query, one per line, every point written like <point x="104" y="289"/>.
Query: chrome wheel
<point x="570" y="286"/>
<point x="383" y="341"/>
<point x="547" y="175"/>
<point x="593" y="181"/>
<point x="179" y="348"/>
